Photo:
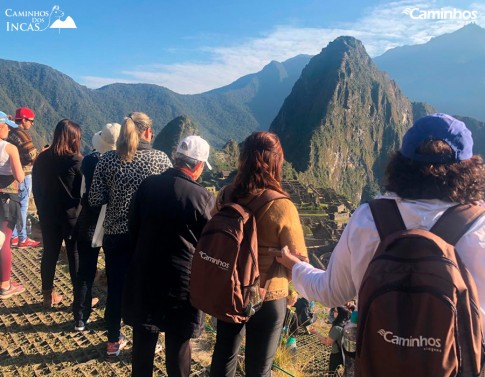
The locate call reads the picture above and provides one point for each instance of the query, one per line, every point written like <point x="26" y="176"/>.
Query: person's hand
<point x="289" y="258"/>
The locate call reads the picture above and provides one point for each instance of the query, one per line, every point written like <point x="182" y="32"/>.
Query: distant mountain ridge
<point x="230" y="112"/>
<point x="338" y="118"/>
<point x="448" y="71"/>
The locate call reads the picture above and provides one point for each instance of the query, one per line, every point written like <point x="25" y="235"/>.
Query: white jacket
<point x="355" y="249"/>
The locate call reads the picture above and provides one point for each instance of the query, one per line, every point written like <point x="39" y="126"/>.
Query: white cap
<point x="105" y="140"/>
<point x="195" y="147"/>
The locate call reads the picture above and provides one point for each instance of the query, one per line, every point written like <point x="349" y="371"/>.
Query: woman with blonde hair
<point x="56" y="184"/>
<point x="117" y="177"/>
<point x="260" y="169"/>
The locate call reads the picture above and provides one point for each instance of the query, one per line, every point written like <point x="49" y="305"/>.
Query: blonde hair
<point x="131" y="130"/>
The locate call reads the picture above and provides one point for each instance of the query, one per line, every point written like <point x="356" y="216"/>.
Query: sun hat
<point x="4" y="119"/>
<point x="195" y="147"/>
<point x="24" y="112"/>
<point x="105" y="140"/>
<point x="438" y="126"/>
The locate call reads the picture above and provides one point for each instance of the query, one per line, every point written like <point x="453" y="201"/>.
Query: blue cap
<point x="4" y="119"/>
<point x="438" y="127"/>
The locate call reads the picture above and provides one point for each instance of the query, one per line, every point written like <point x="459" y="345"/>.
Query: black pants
<point x="117" y="258"/>
<point x="178" y="352"/>
<point x="263" y="331"/>
<point x="88" y="263"/>
<point x="53" y="233"/>
<point x="336" y="359"/>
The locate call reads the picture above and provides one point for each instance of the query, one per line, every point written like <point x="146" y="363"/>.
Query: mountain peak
<point x="471" y="27"/>
<point x="451" y="79"/>
<point x="334" y="122"/>
<point x="348" y="41"/>
<point x="169" y="137"/>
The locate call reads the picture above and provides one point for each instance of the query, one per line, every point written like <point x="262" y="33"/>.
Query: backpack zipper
<point x="415" y="260"/>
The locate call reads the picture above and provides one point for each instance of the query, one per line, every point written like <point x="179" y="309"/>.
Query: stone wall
<point x="324" y="212"/>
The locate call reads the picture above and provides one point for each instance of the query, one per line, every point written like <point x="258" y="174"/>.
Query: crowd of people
<point x="155" y="212"/>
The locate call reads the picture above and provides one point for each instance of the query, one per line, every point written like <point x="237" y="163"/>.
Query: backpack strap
<point x="386" y="216"/>
<point x="456" y="221"/>
<point x="255" y="204"/>
<point x="264" y="198"/>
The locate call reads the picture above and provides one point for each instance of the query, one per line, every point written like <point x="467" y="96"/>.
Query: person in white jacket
<point x="434" y="170"/>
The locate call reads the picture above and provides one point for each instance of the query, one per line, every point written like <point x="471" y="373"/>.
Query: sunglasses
<point x="30" y="120"/>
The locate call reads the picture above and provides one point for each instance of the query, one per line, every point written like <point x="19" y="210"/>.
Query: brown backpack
<point x="224" y="281"/>
<point x="418" y="305"/>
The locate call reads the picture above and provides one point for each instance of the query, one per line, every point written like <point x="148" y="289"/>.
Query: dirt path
<point x="35" y="342"/>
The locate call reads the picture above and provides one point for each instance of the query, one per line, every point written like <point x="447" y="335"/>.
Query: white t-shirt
<point x="356" y="247"/>
<point x="5" y="168"/>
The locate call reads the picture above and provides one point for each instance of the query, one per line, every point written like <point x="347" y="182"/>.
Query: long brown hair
<point x="260" y="165"/>
<point x="131" y="130"/>
<point x="459" y="182"/>
<point x="67" y="138"/>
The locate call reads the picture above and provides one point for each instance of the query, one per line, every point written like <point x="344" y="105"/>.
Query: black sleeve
<point x="205" y="214"/>
<point x="133" y="217"/>
<point x="37" y="182"/>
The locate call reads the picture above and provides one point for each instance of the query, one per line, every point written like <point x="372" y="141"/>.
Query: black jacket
<point x="56" y="185"/>
<point x="88" y="217"/>
<point x="166" y="219"/>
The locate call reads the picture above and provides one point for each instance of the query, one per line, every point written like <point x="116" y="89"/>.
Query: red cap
<point x="24" y="112"/>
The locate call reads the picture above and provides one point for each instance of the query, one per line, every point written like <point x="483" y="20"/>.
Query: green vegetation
<point x="341" y="120"/>
<point x="231" y="112"/>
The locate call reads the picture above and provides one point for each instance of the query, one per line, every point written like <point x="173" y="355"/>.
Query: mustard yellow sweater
<point x="278" y="226"/>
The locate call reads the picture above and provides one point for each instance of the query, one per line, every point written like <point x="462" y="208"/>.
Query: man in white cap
<point x="168" y="214"/>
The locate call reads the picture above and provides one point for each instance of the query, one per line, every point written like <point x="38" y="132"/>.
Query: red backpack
<point x="224" y="281"/>
<point x="418" y="305"/>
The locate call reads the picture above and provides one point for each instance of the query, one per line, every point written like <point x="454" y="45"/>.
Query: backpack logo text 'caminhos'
<point x="217" y="262"/>
<point x="428" y="344"/>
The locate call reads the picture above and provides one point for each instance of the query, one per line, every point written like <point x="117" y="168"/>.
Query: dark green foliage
<point x="231" y="112"/>
<point x="342" y="119"/>
<point x="226" y="159"/>
<point x="170" y="136"/>
<point x="421" y="109"/>
<point x="478" y="132"/>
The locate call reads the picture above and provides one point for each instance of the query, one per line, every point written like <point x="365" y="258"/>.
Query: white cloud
<point x="382" y="28"/>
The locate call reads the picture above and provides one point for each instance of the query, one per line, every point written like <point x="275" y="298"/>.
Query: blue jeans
<point x="25" y="188"/>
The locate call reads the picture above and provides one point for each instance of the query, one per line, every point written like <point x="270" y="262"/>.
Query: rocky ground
<point x="35" y="342"/>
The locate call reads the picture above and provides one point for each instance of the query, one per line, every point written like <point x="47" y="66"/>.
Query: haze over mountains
<point x="251" y="102"/>
<point x="447" y="72"/>
<point x="337" y="114"/>
<point x="234" y="111"/>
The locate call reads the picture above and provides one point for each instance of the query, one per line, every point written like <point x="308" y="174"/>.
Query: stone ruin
<point x="323" y="214"/>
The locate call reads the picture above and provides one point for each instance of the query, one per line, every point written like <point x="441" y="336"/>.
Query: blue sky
<point x="193" y="46"/>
